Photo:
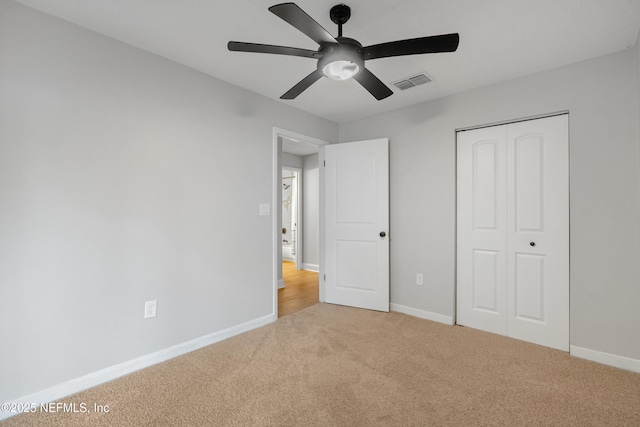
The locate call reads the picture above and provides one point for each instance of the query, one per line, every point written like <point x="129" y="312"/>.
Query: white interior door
<point x="513" y="230"/>
<point x="356" y="228"/>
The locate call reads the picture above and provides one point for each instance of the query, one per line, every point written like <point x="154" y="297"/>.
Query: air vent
<point x="413" y="81"/>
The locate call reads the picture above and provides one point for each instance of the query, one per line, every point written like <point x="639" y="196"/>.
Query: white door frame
<point x="276" y="202"/>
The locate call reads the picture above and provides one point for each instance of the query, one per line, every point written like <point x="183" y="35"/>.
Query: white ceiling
<point x="499" y="40"/>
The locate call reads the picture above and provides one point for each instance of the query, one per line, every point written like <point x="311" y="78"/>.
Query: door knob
<point x="382" y="234"/>
<point x="532" y="243"/>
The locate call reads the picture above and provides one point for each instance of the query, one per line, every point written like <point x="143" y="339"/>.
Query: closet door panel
<point x="481" y="258"/>
<point x="538" y="239"/>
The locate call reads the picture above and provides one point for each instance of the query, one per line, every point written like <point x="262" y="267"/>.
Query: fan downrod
<point x="340" y="14"/>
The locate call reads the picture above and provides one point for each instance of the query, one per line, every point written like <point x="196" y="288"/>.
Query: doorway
<point x="293" y="152"/>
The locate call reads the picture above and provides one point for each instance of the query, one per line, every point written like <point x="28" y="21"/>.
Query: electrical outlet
<point x="150" y="308"/>
<point x="419" y="279"/>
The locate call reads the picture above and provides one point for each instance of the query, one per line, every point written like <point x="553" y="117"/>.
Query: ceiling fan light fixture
<point x="341" y="62"/>
<point x="340" y="70"/>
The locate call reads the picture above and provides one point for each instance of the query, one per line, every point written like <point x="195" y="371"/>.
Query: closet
<point x="513" y="230"/>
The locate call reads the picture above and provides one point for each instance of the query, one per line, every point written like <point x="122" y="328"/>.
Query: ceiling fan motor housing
<point x="347" y="50"/>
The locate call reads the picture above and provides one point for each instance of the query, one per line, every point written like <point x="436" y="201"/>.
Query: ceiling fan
<point x="342" y="58"/>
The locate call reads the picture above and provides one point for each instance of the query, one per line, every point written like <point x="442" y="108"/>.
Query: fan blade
<point x="269" y="48"/>
<point x="302" y="85"/>
<point x="297" y="17"/>
<point x="432" y="44"/>
<point x="373" y="84"/>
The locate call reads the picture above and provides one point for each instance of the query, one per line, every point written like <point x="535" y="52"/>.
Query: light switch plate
<point x="265" y="209"/>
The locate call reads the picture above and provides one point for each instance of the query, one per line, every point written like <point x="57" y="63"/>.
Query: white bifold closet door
<point x="513" y="230"/>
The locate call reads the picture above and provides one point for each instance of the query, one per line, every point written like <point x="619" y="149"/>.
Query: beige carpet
<point x="336" y="366"/>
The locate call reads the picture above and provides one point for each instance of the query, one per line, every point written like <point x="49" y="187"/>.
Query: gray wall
<point x="119" y="183"/>
<point x="291" y="160"/>
<point x="602" y="98"/>
<point x="311" y="210"/>
<point x="637" y="49"/>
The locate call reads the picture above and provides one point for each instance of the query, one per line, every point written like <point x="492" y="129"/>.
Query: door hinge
<point x="325" y="277"/>
<point x="325" y="163"/>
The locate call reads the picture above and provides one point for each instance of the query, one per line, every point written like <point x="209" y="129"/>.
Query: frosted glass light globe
<point x="340" y="70"/>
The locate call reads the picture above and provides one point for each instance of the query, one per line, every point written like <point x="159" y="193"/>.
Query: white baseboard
<point x="447" y="320"/>
<point x="311" y="267"/>
<point x="288" y="259"/>
<point x="96" y="378"/>
<point x="280" y="283"/>
<point x="606" y="358"/>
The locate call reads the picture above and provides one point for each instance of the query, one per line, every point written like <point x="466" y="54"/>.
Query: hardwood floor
<point x="300" y="291"/>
